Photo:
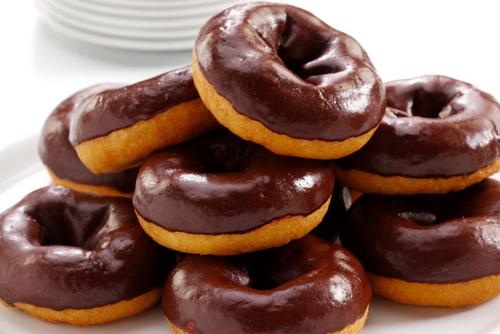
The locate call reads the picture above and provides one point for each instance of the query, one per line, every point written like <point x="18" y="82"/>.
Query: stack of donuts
<point x="428" y="229"/>
<point x="219" y="188"/>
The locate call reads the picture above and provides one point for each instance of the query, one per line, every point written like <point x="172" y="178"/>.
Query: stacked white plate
<point x="149" y="25"/>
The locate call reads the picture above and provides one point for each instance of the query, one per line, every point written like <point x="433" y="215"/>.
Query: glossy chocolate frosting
<point x="434" y="126"/>
<point x="63" y="249"/>
<point x="306" y="286"/>
<point x="429" y="239"/>
<point x="60" y="157"/>
<point x="222" y="184"/>
<point x="285" y="68"/>
<point x="122" y="107"/>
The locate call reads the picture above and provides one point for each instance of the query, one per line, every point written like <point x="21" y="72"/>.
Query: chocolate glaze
<point x="429" y="239"/>
<point x="222" y="184"/>
<point x="60" y="157"/>
<point x="285" y="68"/>
<point x="122" y="107"/>
<point x="306" y="286"/>
<point x="443" y="127"/>
<point x="63" y="249"/>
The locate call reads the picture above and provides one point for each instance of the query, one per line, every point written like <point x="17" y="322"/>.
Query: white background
<point x="39" y="68"/>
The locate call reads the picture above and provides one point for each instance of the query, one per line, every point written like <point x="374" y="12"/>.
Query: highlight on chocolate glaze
<point x="248" y="167"/>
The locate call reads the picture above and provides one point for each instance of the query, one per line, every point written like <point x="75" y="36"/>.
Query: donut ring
<point x="116" y="128"/>
<point x="448" y="135"/>
<point x="307" y="286"/>
<point x="278" y="76"/>
<point x="220" y="195"/>
<point x="440" y="250"/>
<point x="62" y="162"/>
<point x="76" y="258"/>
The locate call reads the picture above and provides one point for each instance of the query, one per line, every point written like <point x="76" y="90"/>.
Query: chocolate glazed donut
<point x="118" y="127"/>
<point x="438" y="135"/>
<point x="276" y="75"/>
<point x="61" y="159"/>
<point x="221" y="195"/>
<point x="77" y="258"/>
<point x="430" y="249"/>
<point x="306" y="286"/>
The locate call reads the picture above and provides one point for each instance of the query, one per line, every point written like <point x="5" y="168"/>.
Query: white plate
<point x="24" y="173"/>
<point x="115" y="42"/>
<point x="124" y="22"/>
<point x="145" y="4"/>
<point x="127" y="33"/>
<point x="151" y="13"/>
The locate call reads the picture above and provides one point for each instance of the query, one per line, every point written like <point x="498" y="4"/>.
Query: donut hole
<point x="68" y="226"/>
<point x="430" y="104"/>
<point x="260" y="282"/>
<point x="422" y="218"/>
<point x="307" y="67"/>
<point x="272" y="268"/>
<point x="269" y="277"/>
<point x="225" y="156"/>
<point x="308" y="61"/>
